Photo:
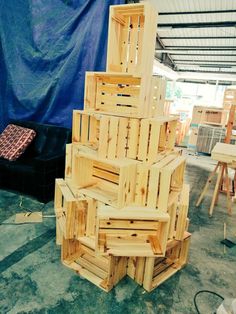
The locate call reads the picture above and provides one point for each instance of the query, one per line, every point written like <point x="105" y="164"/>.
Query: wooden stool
<point x="223" y="169"/>
<point x="225" y="154"/>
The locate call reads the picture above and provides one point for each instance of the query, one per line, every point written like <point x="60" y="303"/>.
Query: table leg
<point x="215" y="191"/>
<point x="207" y="184"/>
<point x="221" y="181"/>
<point x="229" y="204"/>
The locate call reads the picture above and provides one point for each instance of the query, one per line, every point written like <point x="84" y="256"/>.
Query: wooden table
<point x="225" y="154"/>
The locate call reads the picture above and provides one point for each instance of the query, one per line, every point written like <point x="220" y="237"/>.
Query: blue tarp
<point x="45" y="48"/>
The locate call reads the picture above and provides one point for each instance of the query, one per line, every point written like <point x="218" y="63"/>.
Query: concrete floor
<point x="32" y="279"/>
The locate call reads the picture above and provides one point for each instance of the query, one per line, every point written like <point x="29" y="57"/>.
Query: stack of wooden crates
<point x="122" y="207"/>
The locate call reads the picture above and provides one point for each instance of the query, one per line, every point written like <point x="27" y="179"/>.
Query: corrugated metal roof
<point x="197" y="35"/>
<point x="193" y="5"/>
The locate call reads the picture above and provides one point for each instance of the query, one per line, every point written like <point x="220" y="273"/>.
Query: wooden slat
<point x="76" y="126"/>
<point x="112" y="140"/>
<point x="107" y="166"/>
<point x="133" y="43"/>
<point x="68" y="165"/>
<point x="142" y="184"/>
<point x="139" y="271"/>
<point x="133" y="137"/>
<point x="148" y="273"/>
<point x="153" y="187"/>
<point x="108" y="78"/>
<point x="119" y="100"/>
<point x="120" y="89"/>
<point x="140" y="44"/>
<point x="106" y="175"/>
<point x="91" y="217"/>
<point x="155" y="244"/>
<point x="103" y="143"/>
<point x="84" y="128"/>
<point x="90" y="91"/>
<point x="128" y="224"/>
<point x="154" y="141"/>
<point x="124" y="44"/>
<point x="172" y="134"/>
<point x="183" y="212"/>
<point x="143" y="140"/>
<point x="93" y="124"/>
<point x="122" y="140"/>
<point x="121" y="110"/>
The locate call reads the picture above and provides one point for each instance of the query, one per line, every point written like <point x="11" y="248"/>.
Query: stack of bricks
<point x="122" y="207"/>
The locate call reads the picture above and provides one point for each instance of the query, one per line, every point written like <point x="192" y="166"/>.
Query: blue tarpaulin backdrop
<point x="45" y="48"/>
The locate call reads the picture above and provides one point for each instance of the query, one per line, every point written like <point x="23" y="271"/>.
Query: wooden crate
<point x="131" y="39"/>
<point x="75" y="216"/>
<point x="158" y="270"/>
<point x="117" y="137"/>
<point x="104" y="272"/>
<point x="156" y="183"/>
<point x="109" y="181"/>
<point x="216" y="116"/>
<point x="131" y="231"/>
<point x="209" y="115"/>
<point x="118" y="93"/>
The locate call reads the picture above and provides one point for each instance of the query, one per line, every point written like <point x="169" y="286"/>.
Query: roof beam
<point x="206" y="72"/>
<point x="186" y="52"/>
<point x="215" y="66"/>
<point x="207" y="65"/>
<point x="205" y="48"/>
<point x="197" y="25"/>
<point x="204" y="54"/>
<point x="197" y="61"/>
<point x="197" y="12"/>
<point x="199" y="37"/>
<point x="165" y="57"/>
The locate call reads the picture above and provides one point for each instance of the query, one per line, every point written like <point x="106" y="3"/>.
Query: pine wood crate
<point x="158" y="270"/>
<point x="75" y="216"/>
<point x="104" y="272"/>
<point x="108" y="181"/>
<point x="156" y="183"/>
<point x="117" y="137"/>
<point x="131" y="39"/>
<point x="118" y="93"/>
<point x="209" y="115"/>
<point x="131" y="231"/>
